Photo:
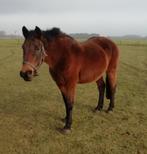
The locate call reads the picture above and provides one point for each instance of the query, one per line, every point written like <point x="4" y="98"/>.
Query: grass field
<point x="31" y="112"/>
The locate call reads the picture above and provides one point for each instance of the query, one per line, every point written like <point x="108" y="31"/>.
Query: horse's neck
<point x="55" y="51"/>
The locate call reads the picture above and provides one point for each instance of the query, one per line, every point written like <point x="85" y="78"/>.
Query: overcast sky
<point x="106" y="17"/>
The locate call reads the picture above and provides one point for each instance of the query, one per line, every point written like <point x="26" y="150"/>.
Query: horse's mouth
<point x="28" y="79"/>
<point x="26" y="76"/>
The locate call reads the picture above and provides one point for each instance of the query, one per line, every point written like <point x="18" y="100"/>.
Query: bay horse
<point x="71" y="62"/>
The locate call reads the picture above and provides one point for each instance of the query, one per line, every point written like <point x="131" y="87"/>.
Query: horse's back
<point x="107" y="44"/>
<point x="99" y="47"/>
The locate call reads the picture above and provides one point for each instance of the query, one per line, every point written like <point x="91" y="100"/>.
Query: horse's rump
<point x="99" y="55"/>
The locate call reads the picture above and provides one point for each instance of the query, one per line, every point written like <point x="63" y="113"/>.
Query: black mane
<point x="52" y="33"/>
<point x="48" y="34"/>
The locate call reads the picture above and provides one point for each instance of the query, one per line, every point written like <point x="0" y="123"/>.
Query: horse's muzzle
<point x="27" y="76"/>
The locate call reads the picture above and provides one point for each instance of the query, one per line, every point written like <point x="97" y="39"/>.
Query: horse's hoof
<point x="97" y="110"/>
<point x="66" y="131"/>
<point x="110" y="111"/>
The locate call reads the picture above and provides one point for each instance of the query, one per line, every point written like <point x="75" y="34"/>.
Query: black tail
<point x="108" y="89"/>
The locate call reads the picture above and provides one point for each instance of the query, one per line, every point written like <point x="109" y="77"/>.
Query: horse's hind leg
<point x="111" y="88"/>
<point x="101" y="88"/>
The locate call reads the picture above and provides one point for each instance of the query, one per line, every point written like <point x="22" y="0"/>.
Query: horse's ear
<point x="38" y="31"/>
<point x="25" y="31"/>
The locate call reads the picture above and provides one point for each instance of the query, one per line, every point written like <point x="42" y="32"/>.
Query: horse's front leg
<point x="69" y="107"/>
<point x="68" y="93"/>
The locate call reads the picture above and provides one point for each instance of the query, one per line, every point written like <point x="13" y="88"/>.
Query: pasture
<point x="31" y="112"/>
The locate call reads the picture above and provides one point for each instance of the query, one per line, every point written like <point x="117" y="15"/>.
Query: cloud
<point x="114" y="17"/>
<point x="55" y="6"/>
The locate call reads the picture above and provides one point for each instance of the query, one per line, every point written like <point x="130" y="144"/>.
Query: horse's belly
<point x="90" y="74"/>
<point x="89" y="78"/>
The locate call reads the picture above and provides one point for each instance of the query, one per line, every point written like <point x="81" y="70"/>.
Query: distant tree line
<point x="3" y="35"/>
<point x="82" y="36"/>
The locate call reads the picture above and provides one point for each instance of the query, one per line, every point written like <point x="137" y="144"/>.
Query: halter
<point x="43" y="55"/>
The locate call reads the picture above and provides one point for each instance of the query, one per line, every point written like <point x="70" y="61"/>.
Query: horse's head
<point x="33" y="53"/>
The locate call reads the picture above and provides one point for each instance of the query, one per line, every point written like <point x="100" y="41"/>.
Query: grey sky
<point x="106" y="17"/>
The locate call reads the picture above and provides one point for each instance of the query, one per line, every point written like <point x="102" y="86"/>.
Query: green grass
<point x="30" y="113"/>
<point x="126" y="42"/>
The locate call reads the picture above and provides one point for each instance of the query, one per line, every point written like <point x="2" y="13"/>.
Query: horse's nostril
<point x="22" y="74"/>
